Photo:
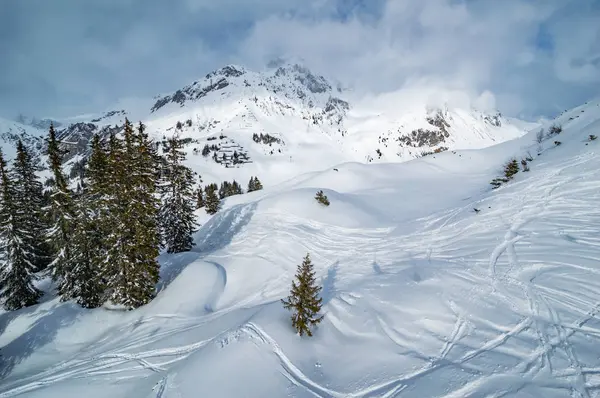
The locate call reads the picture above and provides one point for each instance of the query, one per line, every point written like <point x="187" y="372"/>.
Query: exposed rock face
<point x="428" y="137"/>
<point x="76" y="137"/>
<point x="420" y="138"/>
<point x="494" y="120"/>
<point x="214" y="81"/>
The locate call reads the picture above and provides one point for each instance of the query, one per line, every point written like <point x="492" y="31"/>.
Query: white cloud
<point x="474" y="46"/>
<point x="523" y="56"/>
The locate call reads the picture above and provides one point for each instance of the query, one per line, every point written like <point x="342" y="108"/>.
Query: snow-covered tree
<point x="177" y="216"/>
<point x="29" y="196"/>
<point x="254" y="184"/>
<point x="200" y="202"/>
<point x="212" y="201"/>
<point x="89" y="250"/>
<point x="18" y="253"/>
<point x="132" y="241"/>
<point x="61" y="214"/>
<point x="236" y="188"/>
<point x="304" y="300"/>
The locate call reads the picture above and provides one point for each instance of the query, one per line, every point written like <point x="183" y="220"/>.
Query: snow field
<point x="423" y="297"/>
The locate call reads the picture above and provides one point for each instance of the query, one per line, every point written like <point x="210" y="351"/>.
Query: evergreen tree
<point x="212" y="202"/>
<point x="236" y="188"/>
<point x="200" y="197"/>
<point x="252" y="184"/>
<point x="29" y="196"/>
<point x="322" y="198"/>
<point x="88" y="290"/>
<point x="257" y="184"/>
<point x="89" y="251"/>
<point x="132" y="270"/>
<point x="511" y="168"/>
<point x="177" y="212"/>
<point x="62" y="217"/>
<point x="225" y="190"/>
<point x="304" y="299"/>
<point x="19" y="256"/>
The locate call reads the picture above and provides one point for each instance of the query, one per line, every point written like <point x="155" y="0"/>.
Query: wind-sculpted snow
<point x="423" y="296"/>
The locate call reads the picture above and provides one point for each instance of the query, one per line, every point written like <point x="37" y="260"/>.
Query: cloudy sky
<point x="529" y="58"/>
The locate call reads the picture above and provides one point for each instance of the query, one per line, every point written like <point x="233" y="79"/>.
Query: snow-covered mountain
<point x="423" y="296"/>
<point x="285" y="119"/>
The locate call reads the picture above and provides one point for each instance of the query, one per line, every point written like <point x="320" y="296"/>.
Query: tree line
<point x="210" y="198"/>
<point x="99" y="243"/>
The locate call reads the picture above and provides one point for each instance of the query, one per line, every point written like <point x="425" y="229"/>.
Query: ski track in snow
<point x="218" y="288"/>
<point x="507" y="263"/>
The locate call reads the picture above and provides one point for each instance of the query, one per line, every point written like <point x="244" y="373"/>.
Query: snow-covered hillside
<point x="11" y="132"/>
<point x="423" y="296"/>
<point x="286" y="120"/>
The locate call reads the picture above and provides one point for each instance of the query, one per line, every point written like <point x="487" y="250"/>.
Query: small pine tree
<point x="322" y="198"/>
<point x="304" y="299"/>
<point x="18" y="258"/>
<point x="251" y="184"/>
<point x="212" y="201"/>
<point x="200" y="202"/>
<point x="225" y="190"/>
<point x="592" y="137"/>
<point x="257" y="184"/>
<point x="497" y="182"/>
<point x="177" y="212"/>
<point x="511" y="168"/>
<point x="236" y="188"/>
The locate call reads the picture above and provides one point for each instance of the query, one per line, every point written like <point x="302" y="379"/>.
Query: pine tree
<point x="212" y="202"/>
<point x="177" y="212"/>
<point x="254" y="184"/>
<point x="18" y="259"/>
<point x="89" y="251"/>
<point x="322" y="198"/>
<point x="236" y="188"/>
<point x="511" y="168"/>
<point x="257" y="184"/>
<point x="29" y="196"/>
<point x="304" y="299"/>
<point x="200" y="197"/>
<point x="62" y="217"/>
<point x="88" y="290"/>
<point x="132" y="270"/>
<point x="147" y="205"/>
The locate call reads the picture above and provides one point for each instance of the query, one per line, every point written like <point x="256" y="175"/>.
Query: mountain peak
<point x="230" y="70"/>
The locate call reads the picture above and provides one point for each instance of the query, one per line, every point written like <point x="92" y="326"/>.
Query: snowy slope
<point x="11" y="132"/>
<point x="423" y="297"/>
<point x="317" y="124"/>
